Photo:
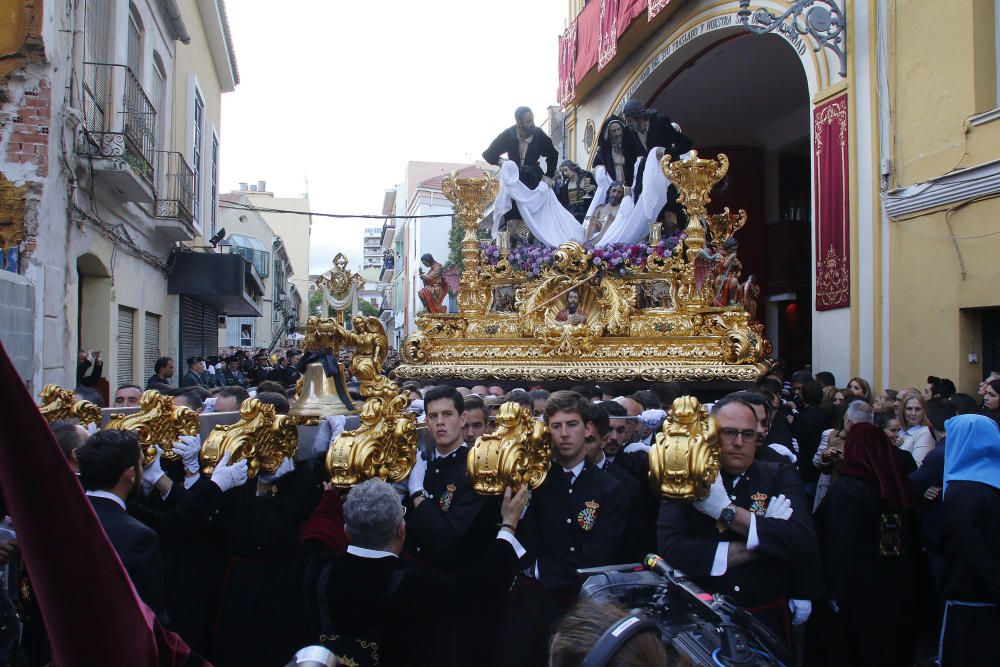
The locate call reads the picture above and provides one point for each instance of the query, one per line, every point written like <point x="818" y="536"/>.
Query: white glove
<point x="716" y="500"/>
<point x="415" y="482"/>
<point x="209" y="406"/>
<point x="637" y="447"/>
<point x="652" y="418"/>
<point x="151" y="474"/>
<point x="189" y="447"/>
<point x="800" y="610"/>
<point x="228" y="476"/>
<point x="779" y="508"/>
<point x="329" y="429"/>
<point x="211" y="369"/>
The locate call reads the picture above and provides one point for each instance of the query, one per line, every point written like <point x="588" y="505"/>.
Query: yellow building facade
<point x="862" y="143"/>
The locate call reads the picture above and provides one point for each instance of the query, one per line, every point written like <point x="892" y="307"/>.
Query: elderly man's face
<point x="615" y="195"/>
<point x="616" y="131"/>
<point x="527" y="122"/>
<point x="127" y="397"/>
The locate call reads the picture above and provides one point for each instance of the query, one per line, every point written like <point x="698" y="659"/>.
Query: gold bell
<point x="321" y="396"/>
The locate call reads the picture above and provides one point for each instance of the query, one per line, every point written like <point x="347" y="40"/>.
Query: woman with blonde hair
<point x="915" y="436"/>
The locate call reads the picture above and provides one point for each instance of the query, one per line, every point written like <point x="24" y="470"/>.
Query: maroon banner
<point x="655" y="7"/>
<point x="567" y="65"/>
<point x="830" y="178"/>
<point x="607" y="45"/>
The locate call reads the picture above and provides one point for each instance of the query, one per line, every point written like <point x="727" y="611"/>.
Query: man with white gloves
<point x="752" y="532"/>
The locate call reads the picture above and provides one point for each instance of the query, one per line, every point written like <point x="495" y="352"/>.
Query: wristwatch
<point x="728" y="515"/>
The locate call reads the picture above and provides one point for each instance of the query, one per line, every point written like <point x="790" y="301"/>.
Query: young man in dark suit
<point x="576" y="519"/>
<point x="111" y="472"/>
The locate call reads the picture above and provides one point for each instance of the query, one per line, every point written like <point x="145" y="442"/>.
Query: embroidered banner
<point x="608" y="45"/>
<point x="830" y="164"/>
<point x="655" y="7"/>
<point x="567" y="66"/>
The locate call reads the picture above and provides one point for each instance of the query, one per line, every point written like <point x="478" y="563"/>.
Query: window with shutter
<point x="151" y="335"/>
<point x="126" y="345"/>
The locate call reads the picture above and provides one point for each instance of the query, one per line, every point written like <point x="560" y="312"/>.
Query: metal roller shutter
<point x="151" y="336"/>
<point x="126" y="345"/>
<point x="199" y="330"/>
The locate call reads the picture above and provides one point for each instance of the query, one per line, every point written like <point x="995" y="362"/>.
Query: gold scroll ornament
<point x="385" y="444"/>
<point x="684" y="461"/>
<point x="157" y="424"/>
<point x="58" y="403"/>
<point x="261" y="437"/>
<point x="518" y="452"/>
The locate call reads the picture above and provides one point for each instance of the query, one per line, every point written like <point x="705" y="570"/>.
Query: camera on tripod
<point x="702" y="628"/>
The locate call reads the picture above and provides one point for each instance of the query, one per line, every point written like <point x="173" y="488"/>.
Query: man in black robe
<point x="655" y="131"/>
<point x="525" y="144"/>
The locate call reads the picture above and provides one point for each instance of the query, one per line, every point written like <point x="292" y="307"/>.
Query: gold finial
<point x="518" y="452"/>
<point x="684" y="461"/>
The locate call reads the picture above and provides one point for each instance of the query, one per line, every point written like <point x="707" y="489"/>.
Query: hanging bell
<point x="321" y="395"/>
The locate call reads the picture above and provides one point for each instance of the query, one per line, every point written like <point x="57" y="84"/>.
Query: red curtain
<point x="833" y="247"/>
<point x="595" y="32"/>
<point x="655" y="7"/>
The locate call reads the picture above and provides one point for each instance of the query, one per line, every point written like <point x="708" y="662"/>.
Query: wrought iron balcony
<point x="174" y="187"/>
<point x="124" y="129"/>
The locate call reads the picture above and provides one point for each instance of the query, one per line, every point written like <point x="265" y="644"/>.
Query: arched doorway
<point x="93" y="322"/>
<point x="748" y="96"/>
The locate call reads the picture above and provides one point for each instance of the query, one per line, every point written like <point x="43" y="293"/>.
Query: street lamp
<point x="823" y="20"/>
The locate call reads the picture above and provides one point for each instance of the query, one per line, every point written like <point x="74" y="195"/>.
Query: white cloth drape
<point x="338" y="304"/>
<point x="632" y="223"/>
<point x="541" y="211"/>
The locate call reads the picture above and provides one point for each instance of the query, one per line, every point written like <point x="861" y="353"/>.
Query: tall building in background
<point x="372" y="248"/>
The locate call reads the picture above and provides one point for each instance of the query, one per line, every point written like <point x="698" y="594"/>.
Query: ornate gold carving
<point x="384" y="446"/>
<point x="682" y="332"/>
<point x="724" y="225"/>
<point x="518" y="452"/>
<point x="58" y="403"/>
<point x="684" y="460"/>
<point x="157" y="424"/>
<point x="260" y="436"/>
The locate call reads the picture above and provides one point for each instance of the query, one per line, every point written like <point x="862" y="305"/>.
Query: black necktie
<point x="569" y="477"/>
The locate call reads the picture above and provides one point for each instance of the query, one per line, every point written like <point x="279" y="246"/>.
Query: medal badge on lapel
<point x="444" y="502"/>
<point x="759" y="505"/>
<point x="588" y="515"/>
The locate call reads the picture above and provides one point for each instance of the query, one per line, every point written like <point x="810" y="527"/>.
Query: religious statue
<point x="433" y="292"/>
<point x="572" y="314"/>
<point x="727" y="280"/>
<point x="371" y="346"/>
<point x="524" y="144"/>
<point x="575" y="189"/>
<point x="606" y="213"/>
<point x="750" y="294"/>
<point x="618" y="149"/>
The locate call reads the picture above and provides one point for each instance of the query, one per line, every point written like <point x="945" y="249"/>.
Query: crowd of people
<point x="852" y="523"/>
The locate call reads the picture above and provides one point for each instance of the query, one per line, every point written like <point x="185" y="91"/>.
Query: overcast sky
<point x="346" y="93"/>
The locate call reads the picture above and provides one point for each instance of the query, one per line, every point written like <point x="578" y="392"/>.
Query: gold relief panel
<point x="157" y="424"/>
<point x="261" y="437"/>
<point x="56" y="403"/>
<point x="384" y="446"/>
<point x="441" y="326"/>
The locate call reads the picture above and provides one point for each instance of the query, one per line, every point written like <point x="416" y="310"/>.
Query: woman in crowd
<point x="860" y="387"/>
<point x="915" y="437"/>
<point x="872" y="551"/>
<point x="889" y="423"/>
<point x="991" y="399"/>
<point x="971" y="532"/>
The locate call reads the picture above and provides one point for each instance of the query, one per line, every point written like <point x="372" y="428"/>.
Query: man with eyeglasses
<point x="749" y="535"/>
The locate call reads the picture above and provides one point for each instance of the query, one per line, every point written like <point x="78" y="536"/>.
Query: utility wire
<point x="242" y="207"/>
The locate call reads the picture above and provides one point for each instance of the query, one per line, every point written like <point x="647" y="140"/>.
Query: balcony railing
<point x="174" y="187"/>
<point x="124" y="129"/>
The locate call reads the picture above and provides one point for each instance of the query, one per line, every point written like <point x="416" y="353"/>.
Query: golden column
<point x="470" y="197"/>
<point x="694" y="179"/>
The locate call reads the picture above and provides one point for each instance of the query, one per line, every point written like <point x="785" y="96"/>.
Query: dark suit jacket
<point x="808" y="429"/>
<point x="393" y="602"/>
<point x="566" y="528"/>
<point x="540" y="146"/>
<point x="192" y="379"/>
<point x="688" y="539"/>
<point x="138" y="548"/>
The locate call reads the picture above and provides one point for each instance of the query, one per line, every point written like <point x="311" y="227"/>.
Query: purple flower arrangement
<point x="617" y="259"/>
